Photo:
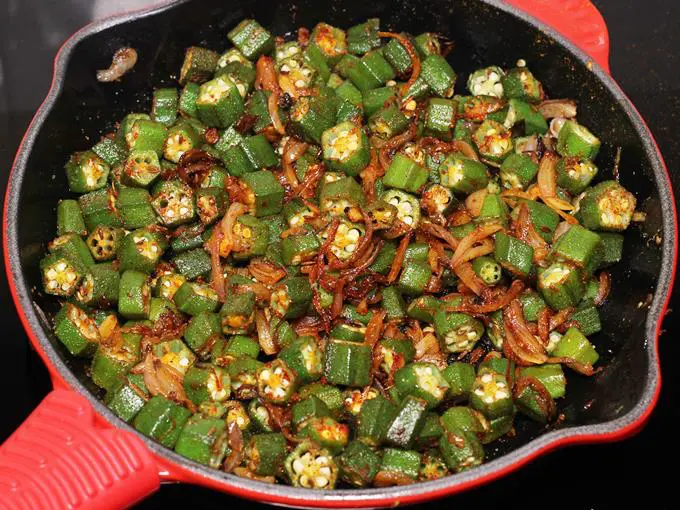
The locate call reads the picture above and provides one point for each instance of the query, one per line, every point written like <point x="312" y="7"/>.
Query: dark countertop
<point x="645" y="58"/>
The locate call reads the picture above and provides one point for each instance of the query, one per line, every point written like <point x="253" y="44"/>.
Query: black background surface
<point x="645" y="60"/>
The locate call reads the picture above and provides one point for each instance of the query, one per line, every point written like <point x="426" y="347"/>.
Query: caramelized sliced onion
<point x="124" y="59"/>
<point x="565" y="108"/>
<point x="264" y="334"/>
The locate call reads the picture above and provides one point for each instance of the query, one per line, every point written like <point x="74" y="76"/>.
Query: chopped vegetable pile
<point x="314" y="263"/>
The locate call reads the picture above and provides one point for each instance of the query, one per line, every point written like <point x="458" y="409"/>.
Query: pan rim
<point x="177" y="468"/>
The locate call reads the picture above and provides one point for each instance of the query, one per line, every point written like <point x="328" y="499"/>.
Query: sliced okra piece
<point x="175" y="354"/>
<point x="576" y="346"/>
<point x="375" y="99"/>
<point x="495" y="329"/>
<point x="493" y="209"/>
<point x="343" y="331"/>
<point x="164" y="105"/>
<point x="408" y="207"/>
<point x="427" y="44"/>
<point x="311" y="467"/>
<point x="363" y="37"/>
<point x="295" y="211"/>
<point x="203" y="440"/>
<point x="407" y="423"/>
<point x="210" y="204"/>
<point x="329" y="394"/>
<point x="159" y="307"/>
<point x="440" y="118"/>
<point x="173" y="202"/>
<point x="146" y="134"/>
<point x="99" y="286"/>
<point x="486" y="82"/>
<point x="439" y="75"/>
<point x="299" y="248"/>
<point x="383" y="262"/>
<point x="358" y="464"/>
<point x="327" y="433"/>
<point x="265" y="453"/>
<point x="550" y="375"/>
<point x="141" y="168"/>
<point x="243" y="373"/>
<point x="112" y="151"/>
<point x="134" y="295"/>
<point x="264" y="193"/>
<point x="346" y="148"/>
<point x="198" y="66"/>
<point x="204" y="382"/>
<point x="382" y="214"/>
<point x="311" y="116"/>
<point x="518" y="171"/>
<point x="60" y="274"/>
<point x="438" y="200"/>
<point x="70" y="218"/>
<point x="432" y="466"/>
<point x="168" y="284"/>
<point x="388" y="122"/>
<point x="463" y="175"/>
<point x="251" y="234"/>
<point x="560" y="285"/>
<point x="99" y="208"/>
<point x="111" y="363"/>
<point x="531" y="402"/>
<point x="237" y="313"/>
<point x="522" y="112"/>
<point x="488" y="270"/>
<point x="306" y="409"/>
<point x="305" y="357"/>
<point x="393" y="303"/>
<point x="400" y="59"/>
<point x="330" y="41"/>
<point x="397" y="464"/>
<point x="414" y="278"/>
<point x="259" y="151"/>
<point x="392" y="354"/>
<point x="86" y="172"/>
<point x="350" y="313"/>
<point x="513" y="254"/>
<point x="194" y="298"/>
<point x="574" y="139"/>
<point x="232" y="55"/>
<point x="257" y="108"/>
<point x="465" y="419"/>
<point x="587" y="319"/>
<point x="251" y="39"/>
<point x="460" y="378"/>
<point x="374" y="418"/>
<point x="260" y="418"/>
<point x="141" y="250"/>
<point x="243" y="76"/>
<point x="192" y="263"/>
<point x="578" y="246"/>
<point x="520" y="83"/>
<point x="544" y="219"/>
<point x="76" y="330"/>
<point x="339" y="196"/>
<point x="457" y="332"/>
<point x="574" y="174"/>
<point x="347" y="363"/>
<point x="276" y="382"/>
<point x="162" y="420"/>
<point x="490" y="394"/>
<point x="291" y="297"/>
<point x="532" y="305"/>
<point x="461" y="450"/>
<point x="187" y="99"/>
<point x="127" y="396"/>
<point x="353" y="400"/>
<point x="182" y="137"/>
<point x="493" y="141"/>
<point x="607" y="206"/>
<point x="202" y="332"/>
<point x="346" y="239"/>
<point x="239" y="345"/>
<point x="423" y="308"/>
<point x="405" y="173"/>
<point x="219" y="102"/>
<point x="422" y="380"/>
<point x="134" y="207"/>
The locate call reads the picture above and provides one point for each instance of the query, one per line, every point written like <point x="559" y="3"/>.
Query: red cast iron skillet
<point x="73" y="452"/>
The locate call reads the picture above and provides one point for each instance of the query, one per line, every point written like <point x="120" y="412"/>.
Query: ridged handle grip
<point x="59" y="458"/>
<point x="577" y="20"/>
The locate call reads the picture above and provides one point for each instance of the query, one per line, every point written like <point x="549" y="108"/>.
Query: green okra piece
<point x="162" y="420"/>
<point x="70" y="218"/>
<point x="141" y="250"/>
<point x="193" y="298"/>
<point x="291" y="297"/>
<point x="134" y="295"/>
<point x="76" y="330"/>
<point x="204" y="382"/>
<point x="110" y="364"/>
<point x="305" y="357"/>
<point x="85" y="171"/>
<point x="311" y="467"/>
<point x="460" y="378"/>
<point x="400" y="463"/>
<point x="358" y="464"/>
<point x="461" y="450"/>
<point x="457" y="332"/>
<point x="251" y="39"/>
<point x="422" y="380"/>
<point x="265" y="453"/>
<point x="347" y="363"/>
<point x="203" y="440"/>
<point x="127" y="396"/>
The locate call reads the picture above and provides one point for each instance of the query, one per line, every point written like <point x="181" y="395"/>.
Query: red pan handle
<point x="60" y="458"/>
<point x="577" y="20"/>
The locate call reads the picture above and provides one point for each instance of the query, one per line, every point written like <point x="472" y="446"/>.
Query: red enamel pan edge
<point x="148" y="462"/>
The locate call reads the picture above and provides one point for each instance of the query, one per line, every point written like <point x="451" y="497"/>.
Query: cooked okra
<point x="325" y="243"/>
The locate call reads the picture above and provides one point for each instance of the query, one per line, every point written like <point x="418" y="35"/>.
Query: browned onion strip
<point x="217" y="275"/>
<point x="477" y="235"/>
<point x="413" y="55"/>
<point x="581" y="368"/>
<point x="605" y="285"/>
<point x="468" y="276"/>
<point x="162" y="379"/>
<point x="124" y="59"/>
<point x="497" y="302"/>
<point x="265" y="79"/>
<point x="266" y="272"/>
<point x="544" y="319"/>
<point x="308" y="187"/>
<point x="261" y="291"/>
<point x="474" y="202"/>
<point x="374" y="327"/>
<point x="395" y="143"/>
<point x="465" y="149"/>
<point x="524" y="230"/>
<point x="440" y="232"/>
<point x="336" y="307"/>
<point x="391" y="479"/>
<point x="292" y="151"/>
<point x="227" y="244"/>
<point x="399" y="258"/>
<point x="552" y="108"/>
<point x="236" y="444"/>
<point x="264" y="334"/>
<point x="370" y="174"/>
<point x="521" y="342"/>
<point x="560" y="318"/>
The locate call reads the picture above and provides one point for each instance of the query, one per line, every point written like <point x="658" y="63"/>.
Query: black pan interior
<point x="482" y="34"/>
